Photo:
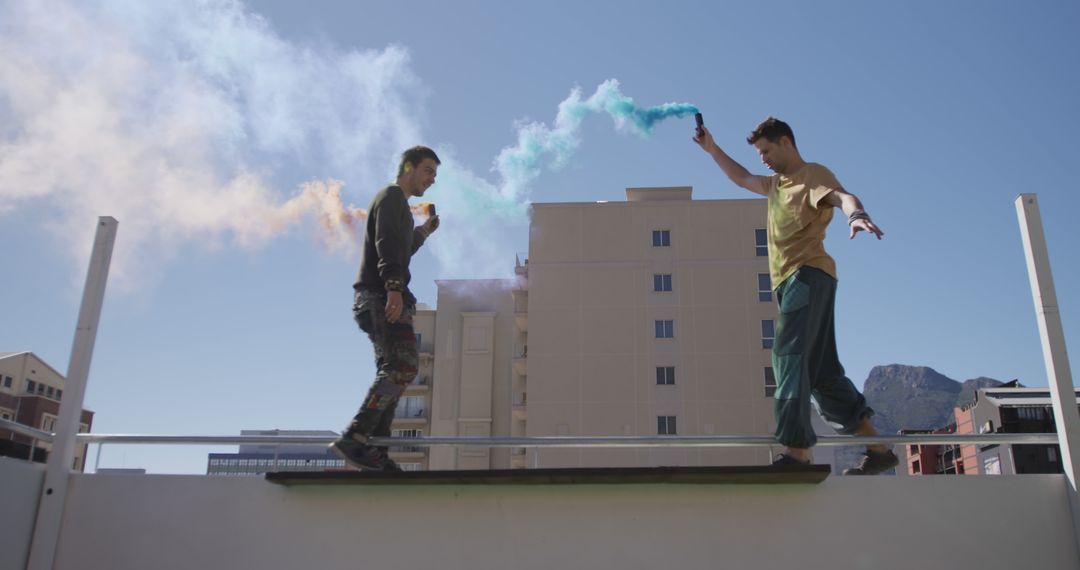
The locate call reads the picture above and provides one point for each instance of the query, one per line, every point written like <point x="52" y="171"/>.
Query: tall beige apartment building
<point x="637" y="318"/>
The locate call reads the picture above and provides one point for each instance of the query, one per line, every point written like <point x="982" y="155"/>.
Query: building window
<point x="51" y="391"/>
<point x="41" y="389"/>
<point x="665" y="425"/>
<point x="30" y="386"/>
<point x="665" y="375"/>
<point x="417" y="341"/>
<point x="916" y="468"/>
<point x="1031" y="414"/>
<point x="48" y="422"/>
<point x="665" y="329"/>
<point x="407" y="433"/>
<point x="761" y="242"/>
<point x="768" y="333"/>
<point x="6" y="415"/>
<point x="661" y="238"/>
<point x="661" y="282"/>
<point x="770" y="382"/>
<point x="59" y="394"/>
<point x="914" y="450"/>
<point x="764" y="287"/>
<point x="7" y="381"/>
<point x="410" y="407"/>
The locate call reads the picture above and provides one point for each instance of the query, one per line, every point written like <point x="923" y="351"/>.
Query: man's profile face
<point x="420" y="178"/>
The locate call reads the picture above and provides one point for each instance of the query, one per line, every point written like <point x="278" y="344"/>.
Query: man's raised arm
<point x="735" y="171"/>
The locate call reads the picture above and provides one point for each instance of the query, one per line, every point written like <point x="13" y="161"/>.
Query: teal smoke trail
<point x="500" y="207"/>
<point x="520" y="164"/>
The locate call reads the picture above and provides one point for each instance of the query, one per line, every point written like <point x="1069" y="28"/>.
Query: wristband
<point x="858" y="214"/>
<point x="394" y="284"/>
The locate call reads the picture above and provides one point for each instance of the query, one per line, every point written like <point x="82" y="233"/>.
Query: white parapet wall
<point x="20" y="490"/>
<point x="174" y="522"/>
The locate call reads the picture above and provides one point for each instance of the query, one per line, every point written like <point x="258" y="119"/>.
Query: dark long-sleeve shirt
<point x="390" y="240"/>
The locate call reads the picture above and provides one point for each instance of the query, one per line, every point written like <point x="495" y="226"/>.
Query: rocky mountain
<point x="912" y="397"/>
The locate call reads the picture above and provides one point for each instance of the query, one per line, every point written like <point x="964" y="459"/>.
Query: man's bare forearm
<point x="849" y="203"/>
<point x="736" y="172"/>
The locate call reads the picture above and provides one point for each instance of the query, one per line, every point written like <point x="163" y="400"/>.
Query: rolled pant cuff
<point x="848" y="427"/>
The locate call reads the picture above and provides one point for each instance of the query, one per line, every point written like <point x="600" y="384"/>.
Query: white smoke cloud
<point x="175" y="118"/>
<point x="185" y="121"/>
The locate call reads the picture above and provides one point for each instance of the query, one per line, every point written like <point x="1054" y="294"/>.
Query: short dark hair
<point x="414" y="156"/>
<point x="771" y="129"/>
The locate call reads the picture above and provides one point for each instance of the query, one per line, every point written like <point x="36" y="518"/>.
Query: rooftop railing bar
<point x="550" y="441"/>
<point x="570" y="442"/>
<point x="26" y="430"/>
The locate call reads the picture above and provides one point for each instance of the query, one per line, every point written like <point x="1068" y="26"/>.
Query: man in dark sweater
<point x="384" y="307"/>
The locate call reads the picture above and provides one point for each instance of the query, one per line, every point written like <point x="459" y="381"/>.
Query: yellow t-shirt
<point x="796" y="222"/>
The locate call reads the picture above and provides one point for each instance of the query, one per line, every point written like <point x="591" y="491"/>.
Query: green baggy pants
<point x="805" y="362"/>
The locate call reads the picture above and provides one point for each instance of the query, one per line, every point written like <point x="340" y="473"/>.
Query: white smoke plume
<point x="186" y="121"/>
<point x="178" y="117"/>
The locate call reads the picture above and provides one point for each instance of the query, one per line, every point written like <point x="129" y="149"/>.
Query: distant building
<point x="257" y="459"/>
<point x="935" y="459"/>
<point x="30" y="392"/>
<point x="1010" y="408"/>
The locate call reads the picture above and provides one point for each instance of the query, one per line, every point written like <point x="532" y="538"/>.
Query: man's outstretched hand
<point x="865" y="226"/>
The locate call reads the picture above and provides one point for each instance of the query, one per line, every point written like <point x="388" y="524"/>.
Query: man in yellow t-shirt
<point x="801" y="197"/>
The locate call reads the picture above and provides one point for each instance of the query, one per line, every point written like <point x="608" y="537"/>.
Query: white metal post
<point x="58" y="469"/>
<point x="1058" y="375"/>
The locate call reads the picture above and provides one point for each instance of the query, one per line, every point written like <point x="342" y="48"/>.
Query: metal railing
<point x="519" y="444"/>
<point x="553" y="441"/>
<point x="28" y="431"/>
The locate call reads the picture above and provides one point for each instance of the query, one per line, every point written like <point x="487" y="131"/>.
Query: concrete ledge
<point x="756" y="475"/>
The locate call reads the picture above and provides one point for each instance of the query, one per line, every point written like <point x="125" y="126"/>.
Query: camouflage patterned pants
<point x="395" y="361"/>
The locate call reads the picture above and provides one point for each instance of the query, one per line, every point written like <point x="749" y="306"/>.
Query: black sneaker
<point x="873" y="463"/>
<point x="389" y="464"/>
<point x="363" y="456"/>
<point x="785" y="459"/>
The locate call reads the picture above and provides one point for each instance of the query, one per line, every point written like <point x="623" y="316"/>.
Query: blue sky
<point x="196" y="124"/>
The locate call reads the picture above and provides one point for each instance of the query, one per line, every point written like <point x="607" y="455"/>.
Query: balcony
<point x="518" y="458"/>
<point x="408" y="451"/>
<point x="521" y="264"/>
<point x="521" y="309"/>
<point x="402" y="415"/>
<point x="411" y="409"/>
<point x="520" y="359"/>
<point x="520" y="406"/>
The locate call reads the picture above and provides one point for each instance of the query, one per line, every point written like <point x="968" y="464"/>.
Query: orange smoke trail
<point x="422" y="209"/>
<point x="340" y="226"/>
